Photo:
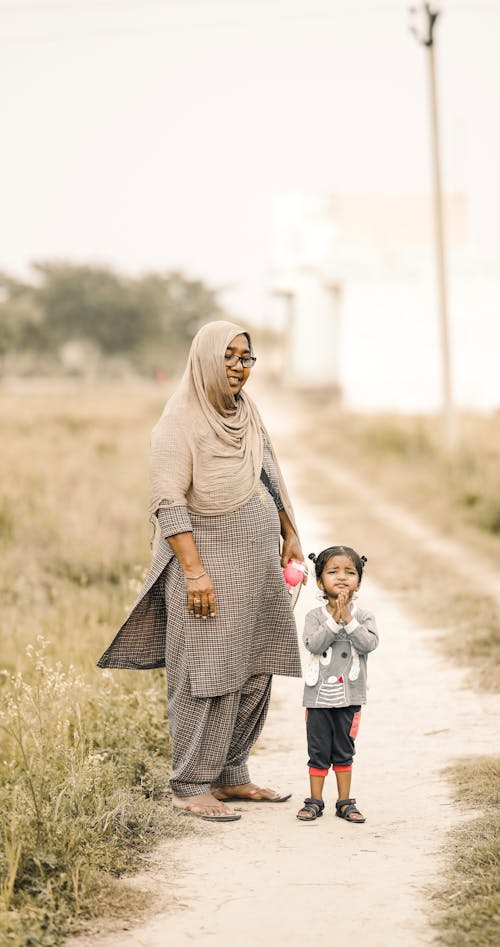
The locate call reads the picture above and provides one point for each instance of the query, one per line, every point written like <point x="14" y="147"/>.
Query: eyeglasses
<point x="248" y="361"/>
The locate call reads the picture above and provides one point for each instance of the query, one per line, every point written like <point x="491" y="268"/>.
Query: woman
<point x="214" y="607"/>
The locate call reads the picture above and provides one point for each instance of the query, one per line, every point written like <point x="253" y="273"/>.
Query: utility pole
<point x="425" y="36"/>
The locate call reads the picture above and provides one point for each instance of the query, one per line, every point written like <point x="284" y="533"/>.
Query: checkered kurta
<point x="254" y="630"/>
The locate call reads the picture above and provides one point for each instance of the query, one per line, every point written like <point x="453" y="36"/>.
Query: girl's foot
<point x="204" y="806"/>
<point x="348" y="810"/>
<point x="311" y="810"/>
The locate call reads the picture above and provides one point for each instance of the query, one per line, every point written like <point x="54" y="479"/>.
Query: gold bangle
<point x="191" y="578"/>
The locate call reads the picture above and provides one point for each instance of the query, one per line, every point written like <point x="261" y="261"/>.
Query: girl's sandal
<point x="311" y="810"/>
<point x="346" y="808"/>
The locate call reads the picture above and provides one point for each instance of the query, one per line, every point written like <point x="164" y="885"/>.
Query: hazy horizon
<point x="157" y="135"/>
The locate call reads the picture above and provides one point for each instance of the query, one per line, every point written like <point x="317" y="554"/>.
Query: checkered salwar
<point x="212" y="736"/>
<point x="219" y="670"/>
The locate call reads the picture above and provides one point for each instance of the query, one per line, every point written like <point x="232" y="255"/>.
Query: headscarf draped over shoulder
<point x="207" y="445"/>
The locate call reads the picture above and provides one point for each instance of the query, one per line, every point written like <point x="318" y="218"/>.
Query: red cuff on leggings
<point x="341" y="769"/>
<point x="313" y="771"/>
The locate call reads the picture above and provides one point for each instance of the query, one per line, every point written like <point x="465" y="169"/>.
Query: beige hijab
<point x="207" y="445"/>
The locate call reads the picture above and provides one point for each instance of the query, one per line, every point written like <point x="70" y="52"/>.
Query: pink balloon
<point x="294" y="572"/>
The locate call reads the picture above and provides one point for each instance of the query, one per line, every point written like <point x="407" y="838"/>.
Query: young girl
<point x="338" y="637"/>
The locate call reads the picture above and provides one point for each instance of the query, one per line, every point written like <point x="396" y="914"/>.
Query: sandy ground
<point x="272" y="879"/>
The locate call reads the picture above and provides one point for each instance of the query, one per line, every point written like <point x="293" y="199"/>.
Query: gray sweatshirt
<point x="335" y="671"/>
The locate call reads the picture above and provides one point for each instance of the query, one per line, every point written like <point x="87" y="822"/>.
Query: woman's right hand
<point x="200" y="592"/>
<point x="201" y="597"/>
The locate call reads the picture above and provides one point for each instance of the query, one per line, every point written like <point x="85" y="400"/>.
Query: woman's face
<point x="236" y="374"/>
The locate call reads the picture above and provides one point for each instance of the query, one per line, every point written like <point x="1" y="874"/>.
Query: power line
<point x="330" y="12"/>
<point x="354" y="8"/>
<point x="169" y="21"/>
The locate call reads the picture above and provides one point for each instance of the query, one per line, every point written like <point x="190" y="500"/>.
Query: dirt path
<point x="451" y="551"/>
<point x="271" y="879"/>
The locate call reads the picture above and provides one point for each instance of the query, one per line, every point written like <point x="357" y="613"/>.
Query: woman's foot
<point x="204" y="806"/>
<point x="249" y="792"/>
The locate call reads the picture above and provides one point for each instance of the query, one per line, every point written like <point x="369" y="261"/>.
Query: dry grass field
<point x="404" y="457"/>
<point x="84" y="753"/>
<point x="467" y="906"/>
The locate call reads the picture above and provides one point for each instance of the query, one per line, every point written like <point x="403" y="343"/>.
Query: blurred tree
<point x="85" y="302"/>
<point x="150" y="320"/>
<point x="21" y="318"/>
<point x="174" y="308"/>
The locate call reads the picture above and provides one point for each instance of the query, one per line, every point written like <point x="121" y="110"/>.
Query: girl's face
<point x="237" y="375"/>
<point x="339" y="575"/>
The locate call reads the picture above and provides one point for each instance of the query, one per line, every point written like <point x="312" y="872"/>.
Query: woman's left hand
<point x="291" y="550"/>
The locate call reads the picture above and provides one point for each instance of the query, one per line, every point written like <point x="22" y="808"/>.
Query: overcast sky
<point x="156" y="133"/>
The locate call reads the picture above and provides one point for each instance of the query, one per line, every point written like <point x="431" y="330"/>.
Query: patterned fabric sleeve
<point x="173" y="520"/>
<point x="317" y="636"/>
<point x="363" y="632"/>
<point x="270" y="469"/>
<point x="171" y="466"/>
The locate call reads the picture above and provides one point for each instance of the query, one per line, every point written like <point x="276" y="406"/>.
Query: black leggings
<point x="331" y="732"/>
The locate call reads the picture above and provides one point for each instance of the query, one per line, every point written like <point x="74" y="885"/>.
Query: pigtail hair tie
<point x="312" y="556"/>
<point x="364" y="560"/>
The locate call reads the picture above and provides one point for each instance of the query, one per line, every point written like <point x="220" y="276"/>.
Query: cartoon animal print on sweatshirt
<point x="339" y="660"/>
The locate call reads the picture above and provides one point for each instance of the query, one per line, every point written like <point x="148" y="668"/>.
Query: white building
<point x="356" y="280"/>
